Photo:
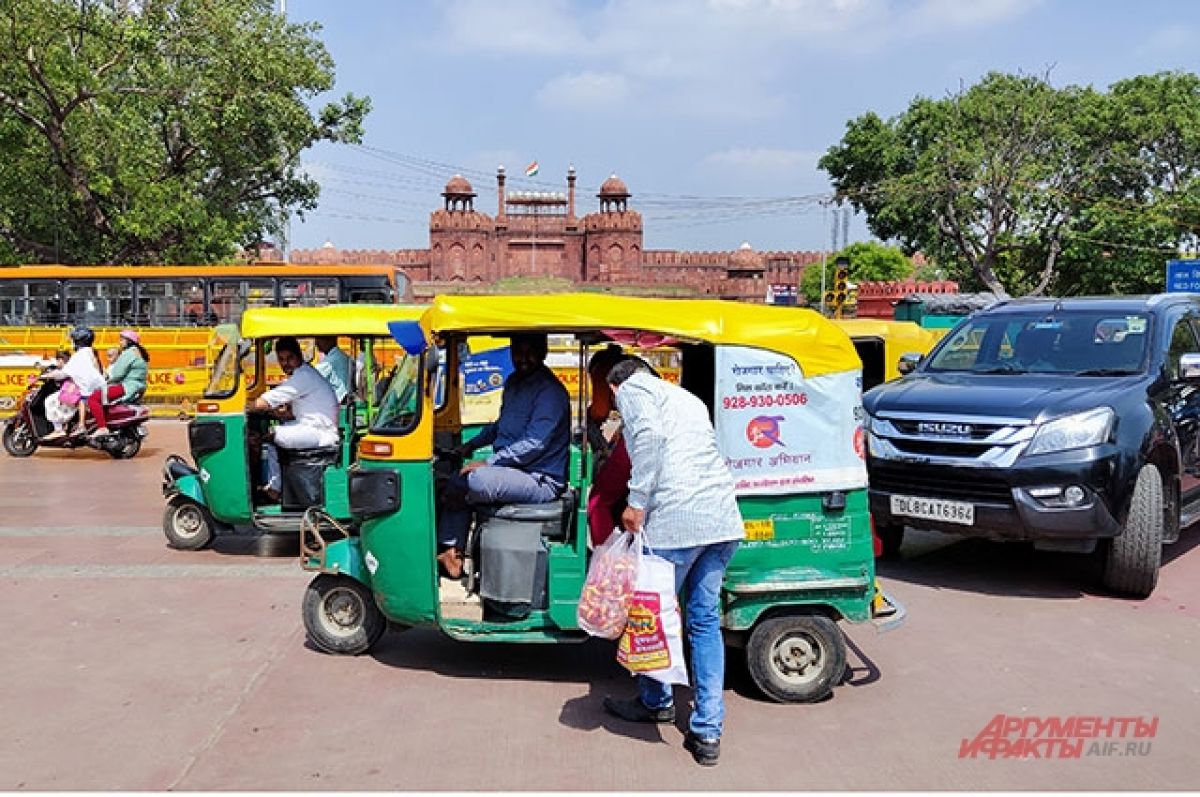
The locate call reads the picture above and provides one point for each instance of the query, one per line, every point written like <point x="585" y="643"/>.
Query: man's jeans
<point x="490" y="484"/>
<point x="699" y="571"/>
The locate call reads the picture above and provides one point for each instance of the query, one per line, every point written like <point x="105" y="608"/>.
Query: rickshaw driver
<point x="530" y="440"/>
<point x="308" y="404"/>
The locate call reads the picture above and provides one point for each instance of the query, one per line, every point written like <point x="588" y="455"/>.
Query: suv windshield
<point x="401" y="405"/>
<point x="1059" y="341"/>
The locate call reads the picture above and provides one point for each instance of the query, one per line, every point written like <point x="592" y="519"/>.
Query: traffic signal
<point x="841" y="279"/>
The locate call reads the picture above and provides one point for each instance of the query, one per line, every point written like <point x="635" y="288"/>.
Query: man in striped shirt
<point x="681" y="500"/>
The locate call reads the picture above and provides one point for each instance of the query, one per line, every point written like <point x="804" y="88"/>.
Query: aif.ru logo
<point x="763" y="431"/>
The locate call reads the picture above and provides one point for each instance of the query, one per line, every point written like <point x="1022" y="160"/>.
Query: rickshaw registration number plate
<point x="958" y="512"/>
<point x="759" y="529"/>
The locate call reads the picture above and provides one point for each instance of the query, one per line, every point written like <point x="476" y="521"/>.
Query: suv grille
<point x="958" y="484"/>
<point x="979" y="431"/>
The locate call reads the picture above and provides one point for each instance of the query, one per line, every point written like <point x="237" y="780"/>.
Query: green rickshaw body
<point x="221" y="483"/>
<point x="223" y="472"/>
<point x="784" y="389"/>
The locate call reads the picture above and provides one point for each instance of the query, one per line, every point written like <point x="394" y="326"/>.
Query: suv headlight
<point x="1074" y="431"/>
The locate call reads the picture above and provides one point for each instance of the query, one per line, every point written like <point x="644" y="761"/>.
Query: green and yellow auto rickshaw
<point x="885" y="346"/>
<point x="782" y="388"/>
<point x="217" y="494"/>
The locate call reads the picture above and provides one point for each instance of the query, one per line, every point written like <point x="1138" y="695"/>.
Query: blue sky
<point x="714" y="112"/>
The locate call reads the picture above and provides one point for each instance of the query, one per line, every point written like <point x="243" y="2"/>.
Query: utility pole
<point x="824" y="254"/>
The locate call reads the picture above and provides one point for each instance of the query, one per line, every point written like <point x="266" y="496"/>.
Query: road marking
<point x="280" y="570"/>
<point x="92" y="531"/>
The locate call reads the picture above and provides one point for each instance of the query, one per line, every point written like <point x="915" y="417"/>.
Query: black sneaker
<point x="634" y="710"/>
<point x="704" y="751"/>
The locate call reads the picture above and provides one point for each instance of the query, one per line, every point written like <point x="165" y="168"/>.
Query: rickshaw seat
<point x="303" y="474"/>
<point x="554" y="516"/>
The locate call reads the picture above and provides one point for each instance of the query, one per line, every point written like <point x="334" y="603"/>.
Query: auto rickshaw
<point x="888" y="350"/>
<point x="885" y="346"/>
<point x="782" y="387"/>
<point x="218" y="493"/>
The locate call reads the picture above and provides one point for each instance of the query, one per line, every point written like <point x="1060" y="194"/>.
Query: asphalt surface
<point x="128" y="665"/>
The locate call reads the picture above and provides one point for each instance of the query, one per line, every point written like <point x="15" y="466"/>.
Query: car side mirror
<point x="909" y="362"/>
<point x="1189" y="366"/>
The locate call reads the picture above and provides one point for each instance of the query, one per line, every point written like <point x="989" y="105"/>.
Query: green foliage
<point x="870" y="261"/>
<point x="1018" y="187"/>
<point x="159" y="131"/>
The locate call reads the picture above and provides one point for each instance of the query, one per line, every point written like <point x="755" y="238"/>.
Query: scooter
<point x="29" y="428"/>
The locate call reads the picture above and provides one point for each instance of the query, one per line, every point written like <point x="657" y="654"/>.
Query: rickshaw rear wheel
<point x="188" y="525"/>
<point x="796" y="659"/>
<point x="340" y="615"/>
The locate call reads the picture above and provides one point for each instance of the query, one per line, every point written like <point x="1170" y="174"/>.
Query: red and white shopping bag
<point x="653" y="640"/>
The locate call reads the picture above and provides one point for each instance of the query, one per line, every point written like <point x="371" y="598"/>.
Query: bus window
<point x="308" y="292"/>
<point x="359" y="289"/>
<point x="29" y="303"/>
<point x="231" y="298"/>
<point x="169" y="303"/>
<point x="99" y="302"/>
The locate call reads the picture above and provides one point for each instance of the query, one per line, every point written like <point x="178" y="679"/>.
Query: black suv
<point x="1059" y="421"/>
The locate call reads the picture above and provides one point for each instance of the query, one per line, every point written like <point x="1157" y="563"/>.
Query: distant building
<point x="539" y="234"/>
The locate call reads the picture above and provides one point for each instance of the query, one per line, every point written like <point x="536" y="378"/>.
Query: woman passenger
<point x="126" y="377"/>
<point x="610" y="480"/>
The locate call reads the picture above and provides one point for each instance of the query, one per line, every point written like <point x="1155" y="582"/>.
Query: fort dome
<point x="613" y="188"/>
<point x="458" y="186"/>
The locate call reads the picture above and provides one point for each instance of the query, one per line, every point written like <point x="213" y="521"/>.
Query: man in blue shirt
<point x="531" y="448"/>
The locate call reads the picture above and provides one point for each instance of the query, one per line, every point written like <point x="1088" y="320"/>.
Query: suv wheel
<point x="1135" y="555"/>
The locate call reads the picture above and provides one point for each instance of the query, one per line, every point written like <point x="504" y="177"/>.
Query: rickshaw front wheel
<point x="188" y="526"/>
<point x="340" y="615"/>
<point x="796" y="659"/>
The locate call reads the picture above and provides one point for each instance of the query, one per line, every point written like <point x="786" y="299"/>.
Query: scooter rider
<point x="83" y="369"/>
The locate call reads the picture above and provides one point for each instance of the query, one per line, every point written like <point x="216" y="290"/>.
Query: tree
<point x="162" y="130"/>
<point x="1030" y="187"/>
<point x="869" y="261"/>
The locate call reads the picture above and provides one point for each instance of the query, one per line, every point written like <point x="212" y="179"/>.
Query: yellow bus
<point x="174" y="308"/>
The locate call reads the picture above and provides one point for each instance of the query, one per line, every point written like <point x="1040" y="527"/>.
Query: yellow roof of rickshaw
<point x="334" y="319"/>
<point x="813" y="341"/>
<point x="903" y="335"/>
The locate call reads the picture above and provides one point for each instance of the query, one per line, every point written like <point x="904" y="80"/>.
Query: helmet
<point x="82" y="336"/>
<point x="131" y="335"/>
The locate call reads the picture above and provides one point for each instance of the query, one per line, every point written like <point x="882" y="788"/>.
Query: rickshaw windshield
<point x="224" y="350"/>
<point x="400" y="408"/>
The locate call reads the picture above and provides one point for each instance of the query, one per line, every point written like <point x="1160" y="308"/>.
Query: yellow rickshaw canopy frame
<point x="816" y="343"/>
<point x="338" y="319"/>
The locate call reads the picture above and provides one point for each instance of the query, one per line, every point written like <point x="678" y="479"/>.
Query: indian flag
<point x="532" y="169"/>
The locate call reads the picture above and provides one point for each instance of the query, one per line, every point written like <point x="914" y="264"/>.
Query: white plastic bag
<point x="653" y="640"/>
<point x="57" y="412"/>
<point x="604" y="605"/>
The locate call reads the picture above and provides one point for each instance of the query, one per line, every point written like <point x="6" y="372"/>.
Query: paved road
<point x="127" y="665"/>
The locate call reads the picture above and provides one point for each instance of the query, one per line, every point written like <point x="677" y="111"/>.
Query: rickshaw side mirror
<point x="909" y="362"/>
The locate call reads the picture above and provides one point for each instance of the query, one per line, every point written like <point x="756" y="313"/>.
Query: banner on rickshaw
<point x="483" y="375"/>
<point x="781" y="432"/>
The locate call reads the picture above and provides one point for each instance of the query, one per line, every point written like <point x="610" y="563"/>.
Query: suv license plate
<point x="958" y="512"/>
